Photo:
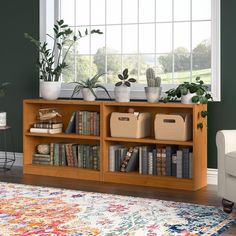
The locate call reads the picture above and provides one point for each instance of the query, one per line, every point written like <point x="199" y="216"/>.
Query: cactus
<point x="152" y="81"/>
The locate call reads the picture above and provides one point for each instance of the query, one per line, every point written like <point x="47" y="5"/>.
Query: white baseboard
<point x="211" y="173"/>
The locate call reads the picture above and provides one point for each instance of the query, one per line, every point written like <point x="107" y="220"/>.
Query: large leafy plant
<point x="199" y="88"/>
<point x="91" y="84"/>
<point x="51" y="62"/>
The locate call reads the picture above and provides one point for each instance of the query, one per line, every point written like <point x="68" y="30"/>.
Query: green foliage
<point x="201" y="90"/>
<point x="90" y="83"/>
<point x="3" y="87"/>
<point x="125" y="80"/>
<point x="52" y="62"/>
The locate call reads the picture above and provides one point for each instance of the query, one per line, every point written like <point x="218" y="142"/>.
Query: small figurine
<point x="48" y="114"/>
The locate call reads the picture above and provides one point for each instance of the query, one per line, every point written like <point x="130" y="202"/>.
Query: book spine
<point x="163" y="161"/>
<point x="144" y="160"/>
<point x="179" y="164"/>
<point x="186" y="163"/>
<point x="150" y="163"/>
<point x="154" y="162"/>
<point x="126" y="159"/>
<point x="174" y="165"/>
<point x="159" y="162"/>
<point x="190" y="165"/>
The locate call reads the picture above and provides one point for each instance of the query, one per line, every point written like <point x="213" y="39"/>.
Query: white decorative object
<point x="153" y="94"/>
<point x="3" y="118"/>
<point x="50" y="90"/>
<point x="187" y="99"/>
<point x="122" y="93"/>
<point x="88" y="95"/>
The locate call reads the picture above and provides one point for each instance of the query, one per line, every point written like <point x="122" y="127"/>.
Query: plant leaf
<point x="120" y="77"/>
<point x="118" y="84"/>
<point x="127" y="84"/>
<point x="132" y="80"/>
<point x="102" y="87"/>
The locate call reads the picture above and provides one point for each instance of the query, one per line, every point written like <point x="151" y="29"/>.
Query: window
<point x="180" y="39"/>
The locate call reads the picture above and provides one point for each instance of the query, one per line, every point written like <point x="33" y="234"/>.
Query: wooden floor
<point x="205" y="196"/>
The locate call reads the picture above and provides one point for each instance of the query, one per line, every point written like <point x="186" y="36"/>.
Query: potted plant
<point x="190" y="93"/>
<point x="153" y="89"/>
<point x="3" y="114"/>
<point x="51" y="62"/>
<point x="122" y="88"/>
<point x="88" y="88"/>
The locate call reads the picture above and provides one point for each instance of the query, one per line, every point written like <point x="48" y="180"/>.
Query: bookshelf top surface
<point x="110" y="103"/>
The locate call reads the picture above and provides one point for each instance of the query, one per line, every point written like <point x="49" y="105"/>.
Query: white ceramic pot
<point x="122" y="94"/>
<point x="50" y="90"/>
<point x="153" y="94"/>
<point x="88" y="95"/>
<point x="3" y="118"/>
<point x="187" y="99"/>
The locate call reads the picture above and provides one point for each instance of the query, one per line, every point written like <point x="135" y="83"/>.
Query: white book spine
<point x="179" y="168"/>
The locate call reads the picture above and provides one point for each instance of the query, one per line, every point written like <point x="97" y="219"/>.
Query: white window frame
<point x="138" y="89"/>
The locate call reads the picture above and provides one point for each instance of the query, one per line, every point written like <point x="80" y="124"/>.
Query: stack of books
<point x="46" y="127"/>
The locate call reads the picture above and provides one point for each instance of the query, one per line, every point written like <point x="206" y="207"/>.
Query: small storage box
<point x="130" y="125"/>
<point x="176" y="127"/>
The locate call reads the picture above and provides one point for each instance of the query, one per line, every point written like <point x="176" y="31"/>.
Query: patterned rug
<point x="31" y="210"/>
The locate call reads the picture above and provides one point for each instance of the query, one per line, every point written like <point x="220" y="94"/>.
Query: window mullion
<point x="191" y="41"/>
<point x="173" y="46"/>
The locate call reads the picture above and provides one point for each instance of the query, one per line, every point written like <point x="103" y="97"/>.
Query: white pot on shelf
<point x="187" y="99"/>
<point x="153" y="94"/>
<point x="50" y="90"/>
<point x="88" y="95"/>
<point x="122" y="93"/>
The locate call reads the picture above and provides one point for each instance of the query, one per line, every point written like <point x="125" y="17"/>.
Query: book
<point x="111" y="160"/>
<point x="179" y="164"/>
<point x="159" y="161"/>
<point x="126" y="159"/>
<point x="154" y="161"/>
<point x="46" y="131"/>
<point x="190" y="165"/>
<point x="47" y="125"/>
<point x="150" y="163"/>
<point x="163" y="161"/>
<point x="186" y="163"/>
<point x="170" y="150"/>
<point x="133" y="162"/>
<point x="71" y="124"/>
<point x="174" y="165"/>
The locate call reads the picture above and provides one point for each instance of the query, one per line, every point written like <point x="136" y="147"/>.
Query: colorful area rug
<point x="31" y="210"/>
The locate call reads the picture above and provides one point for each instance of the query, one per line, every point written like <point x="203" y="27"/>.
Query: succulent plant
<point x="152" y="81"/>
<point x="125" y="80"/>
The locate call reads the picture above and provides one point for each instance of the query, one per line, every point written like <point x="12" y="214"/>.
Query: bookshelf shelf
<point x="198" y="144"/>
<point x="64" y="136"/>
<point x="149" y="141"/>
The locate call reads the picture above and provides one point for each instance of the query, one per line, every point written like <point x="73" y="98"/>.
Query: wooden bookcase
<point x="67" y="107"/>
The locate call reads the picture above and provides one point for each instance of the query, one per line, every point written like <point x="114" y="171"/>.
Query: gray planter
<point x="153" y="94"/>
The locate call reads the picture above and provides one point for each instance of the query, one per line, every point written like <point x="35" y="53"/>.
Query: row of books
<point x="149" y="160"/>
<point x="70" y="154"/>
<point x="47" y="127"/>
<point x="84" y="123"/>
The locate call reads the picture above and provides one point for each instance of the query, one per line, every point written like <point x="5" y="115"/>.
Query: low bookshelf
<point x="198" y="143"/>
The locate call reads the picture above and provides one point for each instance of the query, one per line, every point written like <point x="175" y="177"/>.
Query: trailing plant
<point x="3" y="87"/>
<point x="51" y="62"/>
<point x="152" y="80"/>
<point x="202" y="95"/>
<point x="90" y="83"/>
<point x="125" y="80"/>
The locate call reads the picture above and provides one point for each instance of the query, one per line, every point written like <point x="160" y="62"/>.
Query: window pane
<point x="202" y="51"/>
<point x="97" y="40"/>
<point x="145" y="61"/>
<point x="82" y="67"/>
<point x="130" y="11"/>
<point x="99" y="60"/>
<point x="182" y="36"/>
<point x="113" y="68"/>
<point x="147" y="38"/>
<point x="182" y="67"/>
<point x="113" y="11"/>
<point x="131" y="62"/>
<point x="83" y="43"/>
<point x="146" y="11"/>
<point x="164" y="37"/>
<point x="201" y="32"/>
<point x="181" y="10"/>
<point x="130" y="34"/>
<point x="82" y="12"/>
<point x="68" y="74"/>
<point x="97" y="12"/>
<point x="199" y="12"/>
<point x="164" y="68"/>
<point x="67" y="11"/>
<point x="163" y="10"/>
<point x="114" y="38"/>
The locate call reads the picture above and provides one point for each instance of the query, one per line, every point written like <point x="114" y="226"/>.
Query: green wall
<point x="17" y="63"/>
<point x="17" y="59"/>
